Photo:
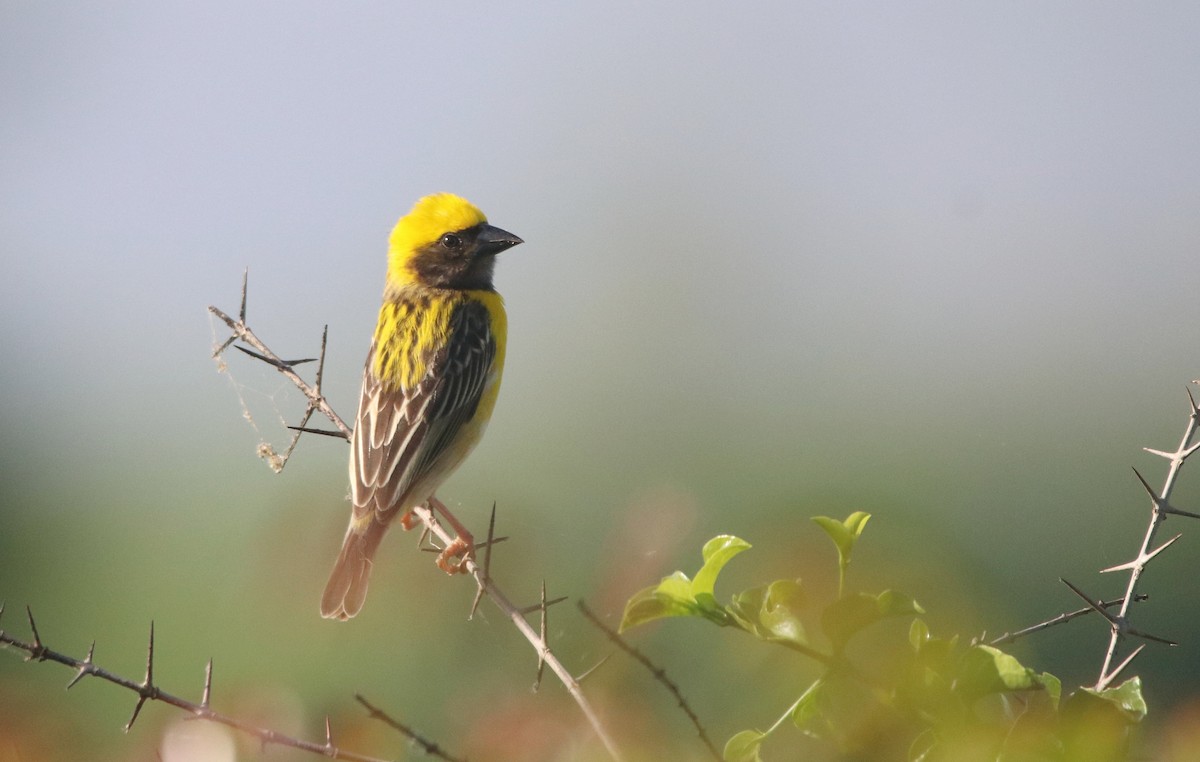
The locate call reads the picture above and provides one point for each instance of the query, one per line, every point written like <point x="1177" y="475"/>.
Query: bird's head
<point x="445" y="242"/>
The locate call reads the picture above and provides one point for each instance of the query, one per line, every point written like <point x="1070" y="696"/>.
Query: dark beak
<point x="492" y="240"/>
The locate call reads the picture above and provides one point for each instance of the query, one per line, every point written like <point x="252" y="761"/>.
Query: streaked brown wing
<point x="401" y="433"/>
<point x="468" y="360"/>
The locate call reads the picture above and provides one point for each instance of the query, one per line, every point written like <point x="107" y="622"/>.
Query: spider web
<point x="263" y="394"/>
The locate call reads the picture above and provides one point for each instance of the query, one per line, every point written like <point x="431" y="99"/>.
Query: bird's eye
<point x="451" y="241"/>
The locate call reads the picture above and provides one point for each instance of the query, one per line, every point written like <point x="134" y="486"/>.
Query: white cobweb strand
<point x="271" y="399"/>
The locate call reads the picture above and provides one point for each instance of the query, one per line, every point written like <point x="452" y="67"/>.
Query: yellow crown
<point x="430" y="219"/>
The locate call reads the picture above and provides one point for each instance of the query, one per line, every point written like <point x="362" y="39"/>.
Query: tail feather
<point x="347" y="587"/>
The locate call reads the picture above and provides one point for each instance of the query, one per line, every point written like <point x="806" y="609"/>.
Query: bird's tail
<point x="347" y="586"/>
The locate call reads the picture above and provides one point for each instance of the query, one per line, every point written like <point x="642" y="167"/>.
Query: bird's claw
<point x="453" y="558"/>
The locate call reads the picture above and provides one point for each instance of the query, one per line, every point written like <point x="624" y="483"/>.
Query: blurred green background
<point x="935" y="261"/>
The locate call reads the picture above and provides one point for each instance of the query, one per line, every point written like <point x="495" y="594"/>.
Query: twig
<point x="1010" y="637"/>
<point x="147" y="690"/>
<point x="487" y="561"/>
<point x="1112" y="619"/>
<point x="658" y="672"/>
<point x="316" y="397"/>
<point x="1160" y="508"/>
<point x="543" y="606"/>
<point x="481" y="575"/>
<point x="430" y="747"/>
<point x="518" y="619"/>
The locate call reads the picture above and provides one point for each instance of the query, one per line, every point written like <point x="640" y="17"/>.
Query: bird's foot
<point x="453" y="558"/>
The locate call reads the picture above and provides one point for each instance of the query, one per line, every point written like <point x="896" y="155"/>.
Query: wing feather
<point x="403" y="435"/>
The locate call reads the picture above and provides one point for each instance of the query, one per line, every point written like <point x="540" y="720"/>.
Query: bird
<point x="429" y="386"/>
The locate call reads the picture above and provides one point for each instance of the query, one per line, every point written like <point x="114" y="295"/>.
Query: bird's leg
<point x="463" y="546"/>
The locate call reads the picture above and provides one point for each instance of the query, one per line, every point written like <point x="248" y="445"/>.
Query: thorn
<point x="538" y="606"/>
<point x="219" y="350"/>
<point x="1162" y="505"/>
<point x="493" y="541"/>
<point x="146" y="690"/>
<point x="1191" y="399"/>
<point x="1149" y="490"/>
<point x="588" y="672"/>
<point x="328" y="734"/>
<point x="207" y="695"/>
<point x="256" y="355"/>
<point x="149" y="681"/>
<point x="425" y="541"/>
<point x="85" y="668"/>
<point x="487" y="563"/>
<point x="1160" y="453"/>
<point x="479" y="589"/>
<point x="1141" y="560"/>
<point x="323" y="432"/>
<point x="245" y="283"/>
<point x="275" y="363"/>
<point x="37" y="639"/>
<point x="487" y="551"/>
<point x="321" y="364"/>
<point x="1163" y="547"/>
<point x="136" y="711"/>
<point x="1168" y="508"/>
<point x="542" y="638"/>
<point x="1094" y="604"/>
<point x="1120" y="667"/>
<point x="1148" y="636"/>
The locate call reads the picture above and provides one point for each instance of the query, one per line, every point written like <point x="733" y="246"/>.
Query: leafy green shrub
<point x="941" y="699"/>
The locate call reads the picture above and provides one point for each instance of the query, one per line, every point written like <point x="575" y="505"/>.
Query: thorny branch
<point x="429" y="747"/>
<point x="1160" y="509"/>
<point x="658" y="672"/>
<point x="147" y="690"/>
<point x="481" y="574"/>
<point x="1011" y="637"/>
<point x="316" y="399"/>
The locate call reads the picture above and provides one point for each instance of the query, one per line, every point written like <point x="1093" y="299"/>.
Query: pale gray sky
<point x="757" y="218"/>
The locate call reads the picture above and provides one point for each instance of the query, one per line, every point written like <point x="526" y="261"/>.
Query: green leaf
<point x="743" y="747"/>
<point x="677" y="595"/>
<point x="918" y="634"/>
<point x="717" y="552"/>
<point x="778" y="614"/>
<point x="1053" y="687"/>
<point x="1095" y="725"/>
<point x="676" y="586"/>
<point x="1126" y="698"/>
<point x="896" y="603"/>
<point x="987" y="670"/>
<point x="932" y="654"/>
<point x="846" y="616"/>
<point x="844" y="533"/>
<point x="857" y="522"/>
<point x="770" y="612"/>
<point x="649" y="604"/>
